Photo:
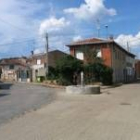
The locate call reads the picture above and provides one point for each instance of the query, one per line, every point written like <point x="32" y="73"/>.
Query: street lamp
<point x="106" y="26"/>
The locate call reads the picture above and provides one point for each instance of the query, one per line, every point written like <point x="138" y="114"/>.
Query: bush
<point x="40" y="78"/>
<point x="66" y="67"/>
<point x="53" y="74"/>
<point x="98" y="72"/>
<point x="63" y="81"/>
<point x="107" y="76"/>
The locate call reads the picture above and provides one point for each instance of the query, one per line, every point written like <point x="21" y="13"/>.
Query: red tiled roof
<point x="91" y="41"/>
<point x="11" y="62"/>
<point x="88" y="41"/>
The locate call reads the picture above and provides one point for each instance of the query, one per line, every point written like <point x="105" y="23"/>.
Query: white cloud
<point x="53" y="25"/>
<point x="91" y="9"/>
<point x="133" y="40"/>
<point x="24" y="20"/>
<point x="39" y="50"/>
<point x="77" y="38"/>
<point x="138" y="56"/>
<point x="17" y="22"/>
<point x="57" y="29"/>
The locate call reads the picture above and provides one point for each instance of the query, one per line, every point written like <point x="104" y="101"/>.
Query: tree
<point x="94" y="68"/>
<point x="53" y="74"/>
<point x="98" y="72"/>
<point x="67" y="66"/>
<point x="90" y="55"/>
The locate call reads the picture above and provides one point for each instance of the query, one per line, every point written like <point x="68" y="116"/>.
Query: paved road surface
<point x="15" y="99"/>
<point x="113" y="115"/>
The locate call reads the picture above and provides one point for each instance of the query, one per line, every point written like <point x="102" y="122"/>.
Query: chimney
<point x="111" y="37"/>
<point x="32" y="52"/>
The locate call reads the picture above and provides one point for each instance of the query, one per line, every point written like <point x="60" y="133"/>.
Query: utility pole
<point x="47" y="48"/>
<point x="106" y="26"/>
<point x="128" y="49"/>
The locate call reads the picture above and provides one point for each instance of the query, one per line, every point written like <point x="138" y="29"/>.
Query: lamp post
<point x="47" y="48"/>
<point x="106" y="26"/>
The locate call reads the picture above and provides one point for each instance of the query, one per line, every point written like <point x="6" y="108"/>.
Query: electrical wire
<point x="4" y="21"/>
<point x="18" y="42"/>
<point x="133" y="40"/>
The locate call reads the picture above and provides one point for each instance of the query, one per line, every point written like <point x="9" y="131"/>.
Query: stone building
<point x="137" y="68"/>
<point x="113" y="55"/>
<point x="38" y="62"/>
<point x="15" y="69"/>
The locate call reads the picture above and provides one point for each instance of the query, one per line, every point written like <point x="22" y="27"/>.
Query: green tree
<point x="94" y="68"/>
<point x="66" y="68"/>
<point x="53" y="74"/>
<point x="98" y="72"/>
<point x="90" y="55"/>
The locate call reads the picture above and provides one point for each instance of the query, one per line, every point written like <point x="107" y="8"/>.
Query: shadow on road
<point x="5" y="86"/>
<point x="134" y="82"/>
<point x="2" y="95"/>
<point x="121" y="84"/>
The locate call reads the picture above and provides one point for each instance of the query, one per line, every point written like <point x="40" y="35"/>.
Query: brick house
<point x="113" y="55"/>
<point x="137" y="68"/>
<point x="38" y="62"/>
<point x="15" y="69"/>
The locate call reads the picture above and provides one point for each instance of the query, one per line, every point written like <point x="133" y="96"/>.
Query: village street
<point x="16" y="99"/>
<point x="112" y="115"/>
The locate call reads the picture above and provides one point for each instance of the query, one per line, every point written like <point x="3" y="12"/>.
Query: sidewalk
<point x="113" y="116"/>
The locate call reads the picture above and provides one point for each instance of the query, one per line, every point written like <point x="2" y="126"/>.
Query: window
<point x="99" y="53"/>
<point x="36" y="73"/>
<point x="11" y="67"/>
<point x="80" y="55"/>
<point x="115" y="54"/>
<point x="27" y="73"/>
<point x="38" y="62"/>
<point x="45" y="65"/>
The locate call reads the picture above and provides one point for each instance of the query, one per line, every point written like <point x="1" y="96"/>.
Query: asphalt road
<point x="16" y="99"/>
<point x="112" y="115"/>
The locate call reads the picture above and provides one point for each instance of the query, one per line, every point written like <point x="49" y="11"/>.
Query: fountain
<point x="83" y="89"/>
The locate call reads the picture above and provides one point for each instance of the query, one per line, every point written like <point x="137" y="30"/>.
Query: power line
<point x="23" y="40"/>
<point x="133" y="40"/>
<point x="12" y="25"/>
<point x="18" y="42"/>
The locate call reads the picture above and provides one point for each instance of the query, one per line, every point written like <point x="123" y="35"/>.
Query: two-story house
<point x="15" y="69"/>
<point x="137" y="68"/>
<point x="38" y="62"/>
<point x="112" y="54"/>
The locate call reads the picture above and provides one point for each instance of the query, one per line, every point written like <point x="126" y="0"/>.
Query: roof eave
<point x="124" y="49"/>
<point x="92" y="43"/>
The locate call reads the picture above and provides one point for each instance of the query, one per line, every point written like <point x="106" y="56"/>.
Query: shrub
<point x="53" y="74"/>
<point x="107" y="76"/>
<point x="66" y="67"/>
<point x="63" y="81"/>
<point x="98" y="72"/>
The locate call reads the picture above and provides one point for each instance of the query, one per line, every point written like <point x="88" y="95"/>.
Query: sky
<point x="24" y="24"/>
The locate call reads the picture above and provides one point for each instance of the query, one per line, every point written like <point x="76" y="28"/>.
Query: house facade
<point x="15" y="69"/>
<point x="113" y="55"/>
<point x="38" y="62"/>
<point x="28" y="69"/>
<point x="137" y="68"/>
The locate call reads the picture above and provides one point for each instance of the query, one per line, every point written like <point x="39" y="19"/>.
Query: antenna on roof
<point x="98" y="27"/>
<point x="128" y="48"/>
<point x="32" y="52"/>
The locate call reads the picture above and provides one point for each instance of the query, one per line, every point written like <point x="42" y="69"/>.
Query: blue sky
<point x="23" y="23"/>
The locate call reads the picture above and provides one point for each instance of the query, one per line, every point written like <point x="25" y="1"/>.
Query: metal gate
<point x="23" y="75"/>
